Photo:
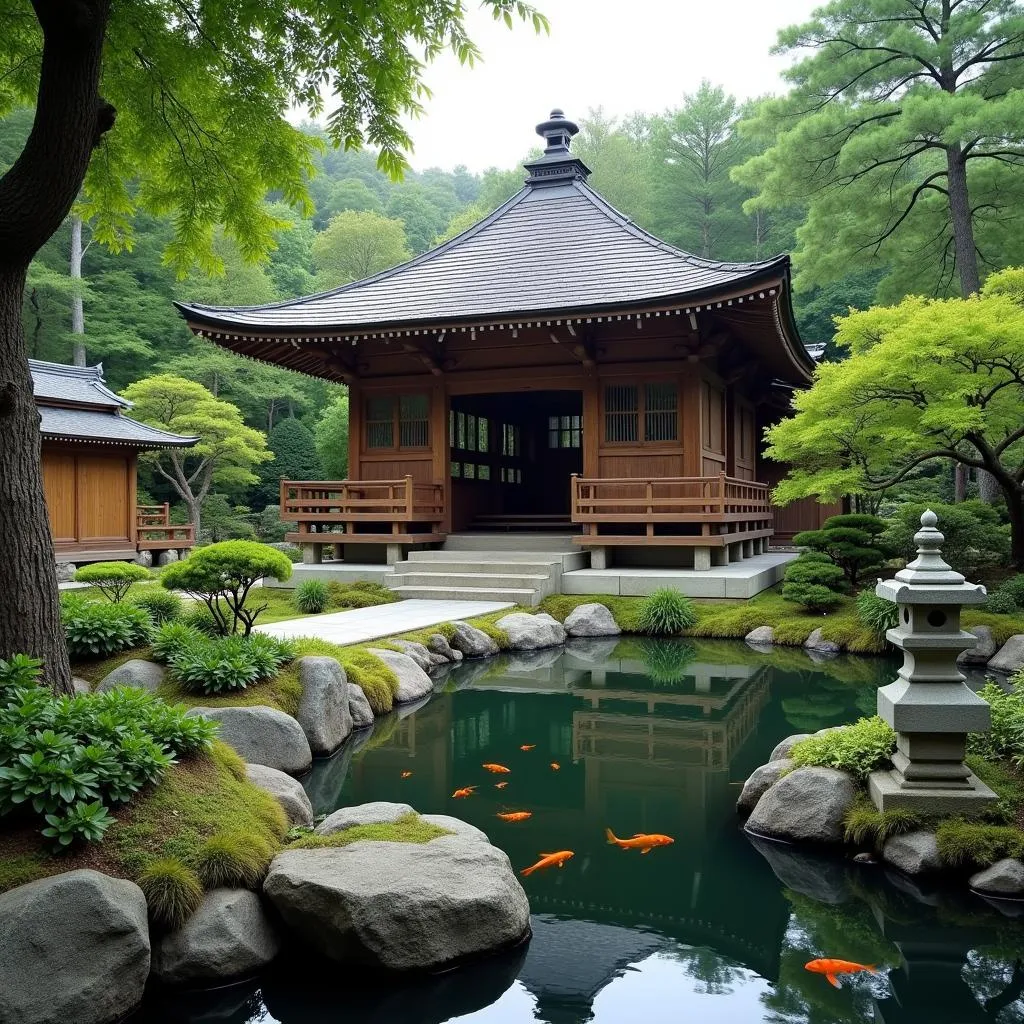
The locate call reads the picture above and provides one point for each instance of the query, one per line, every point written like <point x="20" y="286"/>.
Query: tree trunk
<point x="36" y="194"/>
<point x="988" y="487"/>
<point x="77" y="306"/>
<point x="29" y="609"/>
<point x="960" y="472"/>
<point x="195" y="517"/>
<point x="1015" y="511"/>
<point x="963" y="225"/>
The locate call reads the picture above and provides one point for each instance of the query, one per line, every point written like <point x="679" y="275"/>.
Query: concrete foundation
<point x="891" y="789"/>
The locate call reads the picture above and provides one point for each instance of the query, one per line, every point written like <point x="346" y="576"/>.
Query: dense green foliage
<point x="974" y="534"/>
<point x="360" y="595"/>
<point x="112" y="579"/>
<point x="311" y="597"/>
<point x="850" y="541"/>
<point x="858" y="749"/>
<point x="864" y="824"/>
<point x="69" y="760"/>
<point x="1005" y="740"/>
<point x="96" y="630"/>
<point x="876" y="612"/>
<point x="222" y="576"/>
<point x="666" y="613"/>
<point x="1001" y="602"/>
<point x="813" y="581"/>
<point x="295" y="458"/>
<point x="161" y="605"/>
<point x="972" y="844"/>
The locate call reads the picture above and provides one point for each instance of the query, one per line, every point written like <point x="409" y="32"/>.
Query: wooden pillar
<point x="355" y="429"/>
<point x="133" y="498"/>
<point x="441" y="448"/>
<point x="592" y="427"/>
<point x="690" y="396"/>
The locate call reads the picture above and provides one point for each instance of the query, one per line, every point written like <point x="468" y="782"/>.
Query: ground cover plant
<point x="858" y="749"/>
<point x="222" y="576"/>
<point x="95" y="629"/>
<point x="112" y="579"/>
<point x="161" y="605"/>
<point x="409" y="828"/>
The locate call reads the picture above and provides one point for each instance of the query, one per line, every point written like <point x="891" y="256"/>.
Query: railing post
<point x="282" y="498"/>
<point x="167" y="513"/>
<point x="574" y="496"/>
<point x="408" y="497"/>
<point x="721" y="493"/>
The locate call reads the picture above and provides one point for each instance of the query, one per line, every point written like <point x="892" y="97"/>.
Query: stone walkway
<point x="360" y="624"/>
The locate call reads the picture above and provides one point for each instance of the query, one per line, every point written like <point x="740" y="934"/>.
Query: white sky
<point x="625" y="56"/>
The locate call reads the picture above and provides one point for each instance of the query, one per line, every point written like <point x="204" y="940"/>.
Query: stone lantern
<point x="929" y="705"/>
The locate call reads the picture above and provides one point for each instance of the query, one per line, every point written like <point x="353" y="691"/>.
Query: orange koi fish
<point x="528" y="746"/>
<point x="641" y="841"/>
<point x="555" y="766"/>
<point x="830" y="968"/>
<point x="498" y="769"/>
<point x="406" y="775"/>
<point x="500" y="785"/>
<point x="466" y="791"/>
<point x="549" y="860"/>
<point x="515" y="815"/>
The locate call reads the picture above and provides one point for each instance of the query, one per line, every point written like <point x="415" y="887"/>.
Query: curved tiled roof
<point x="553" y="247"/>
<point x="80" y="384"/>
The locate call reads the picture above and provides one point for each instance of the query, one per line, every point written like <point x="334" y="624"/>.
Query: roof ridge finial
<point x="557" y="163"/>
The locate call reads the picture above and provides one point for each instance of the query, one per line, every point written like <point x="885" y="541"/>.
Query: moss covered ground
<point x="410" y="828"/>
<point x="199" y="799"/>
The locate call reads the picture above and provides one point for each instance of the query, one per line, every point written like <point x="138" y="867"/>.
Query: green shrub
<point x="1005" y="739"/>
<point x="865" y="824"/>
<point x="858" y="749"/>
<point x="200" y="618"/>
<point x="162" y="605"/>
<point x="170" y="638"/>
<point x="876" y="613"/>
<point x="173" y="892"/>
<point x="311" y="597"/>
<point x="96" y="630"/>
<point x="112" y="579"/>
<point x="1001" y="602"/>
<point x="666" y="613"/>
<point x="1014" y="586"/>
<point x="850" y="541"/>
<point x="811" y="596"/>
<point x="974" y="536"/>
<point x="971" y="844"/>
<point x="66" y="759"/>
<point x="363" y="594"/>
<point x="232" y="860"/>
<point x="815" y="571"/>
<point x="222" y="575"/>
<point x="224" y="664"/>
<point x="385" y="593"/>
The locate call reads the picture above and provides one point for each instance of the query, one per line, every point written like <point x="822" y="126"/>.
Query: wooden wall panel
<point x="59" y="485"/>
<point x="103" y="492"/>
<point x="378" y="468"/>
<point x="637" y="465"/>
<point x="805" y="514"/>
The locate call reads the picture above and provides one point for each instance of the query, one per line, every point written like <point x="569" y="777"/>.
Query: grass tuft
<point x="972" y="844"/>
<point x="865" y="824"/>
<point x="173" y="892"/>
<point x="232" y="860"/>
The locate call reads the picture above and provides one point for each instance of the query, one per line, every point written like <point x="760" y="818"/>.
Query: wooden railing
<point x="155" y="532"/>
<point x="679" y="510"/>
<point x="362" y="510"/>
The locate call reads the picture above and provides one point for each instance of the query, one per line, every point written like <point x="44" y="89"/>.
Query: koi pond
<point x="651" y="737"/>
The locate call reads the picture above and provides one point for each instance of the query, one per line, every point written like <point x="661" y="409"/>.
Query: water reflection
<point x="651" y="737"/>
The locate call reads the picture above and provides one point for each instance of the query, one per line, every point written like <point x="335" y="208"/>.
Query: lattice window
<point x="380" y="423"/>
<point x="621" y="413"/>
<point x="414" y="421"/>
<point x="469" y="471"/>
<point x="470" y="433"/>
<point x="510" y="441"/>
<point x="483" y="434"/>
<point x="483" y="472"/>
<point x="456" y="469"/>
<point x="661" y="412"/>
<point x="565" y="431"/>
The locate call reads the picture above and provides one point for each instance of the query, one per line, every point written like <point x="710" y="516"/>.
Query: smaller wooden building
<point x="89" y="459"/>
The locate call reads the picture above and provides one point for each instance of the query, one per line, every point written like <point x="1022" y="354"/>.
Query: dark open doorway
<point x="511" y="459"/>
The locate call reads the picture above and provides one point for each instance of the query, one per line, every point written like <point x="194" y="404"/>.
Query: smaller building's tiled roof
<point x="82" y="385"/>
<point x="95" y="427"/>
<point x="98" y="418"/>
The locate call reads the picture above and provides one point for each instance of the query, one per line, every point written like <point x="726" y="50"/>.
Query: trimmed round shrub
<point x="351" y="595"/>
<point x="820" y="572"/>
<point x="1001" y="602"/>
<point x="162" y="605"/>
<point x="96" y="630"/>
<point x="666" y="613"/>
<point x="173" y="892"/>
<point x="813" y="596"/>
<point x="112" y="579"/>
<point x="311" y="597"/>
<point x="232" y="860"/>
<point x="876" y="613"/>
<point x="1014" y="586"/>
<point x="385" y="593"/>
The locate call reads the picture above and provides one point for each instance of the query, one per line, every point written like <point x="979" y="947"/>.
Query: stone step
<point x="474" y="580"/>
<point x="509" y="542"/>
<point x="566" y="561"/>
<point x="466" y="565"/>
<point x="528" y="598"/>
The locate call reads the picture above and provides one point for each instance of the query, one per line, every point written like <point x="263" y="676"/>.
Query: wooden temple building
<point x="552" y="368"/>
<point x="89" y="460"/>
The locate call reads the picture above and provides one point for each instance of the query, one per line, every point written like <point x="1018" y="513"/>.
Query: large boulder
<point x="400" y="906"/>
<point x="263" y="735"/>
<point x="591" y="620"/>
<point x="167" y="557"/>
<point x="323" y="709"/>
<point x="142" y="675"/>
<point x="783" y="747"/>
<point x="145" y="559"/>
<point x="74" y="949"/>
<point x="81" y="685"/>
<point x="378" y="812"/>
<point x="456" y="826"/>
<point x="808" y="805"/>
<point x="1010" y="657"/>
<point x="817" y="644"/>
<point x="66" y="572"/>
<point x="359" y="707"/>
<point x="472" y="642"/>
<point x="413" y="682"/>
<point x="983" y="651"/>
<point x="288" y="792"/>
<point x="915" y="853"/>
<point x="426" y="659"/>
<point x="437" y="643"/>
<point x="531" y="632"/>
<point x="228" y="937"/>
<point x="760" y="781"/>
<point x="761" y="636"/>
<point x="1005" y="878"/>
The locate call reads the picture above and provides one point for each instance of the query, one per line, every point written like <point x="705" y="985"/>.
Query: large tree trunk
<point x="963" y="225"/>
<point x="36" y="195"/>
<point x="77" y="305"/>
